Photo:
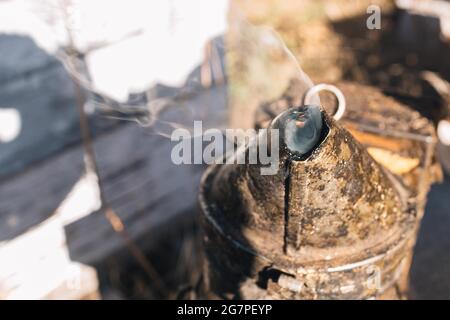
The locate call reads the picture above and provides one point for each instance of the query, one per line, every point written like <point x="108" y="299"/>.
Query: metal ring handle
<point x="443" y="131"/>
<point x="334" y="90"/>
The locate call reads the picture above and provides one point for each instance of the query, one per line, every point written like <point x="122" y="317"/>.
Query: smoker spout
<point x="301" y="130"/>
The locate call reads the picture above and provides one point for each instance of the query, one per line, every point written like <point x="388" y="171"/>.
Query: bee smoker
<point x="338" y="220"/>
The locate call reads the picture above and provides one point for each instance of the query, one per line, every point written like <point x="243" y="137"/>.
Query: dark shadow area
<point x="430" y="278"/>
<point x="36" y="85"/>
<point x="393" y="57"/>
<point x="174" y="254"/>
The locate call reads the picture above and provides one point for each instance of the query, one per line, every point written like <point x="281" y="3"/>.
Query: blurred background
<point x="91" y="205"/>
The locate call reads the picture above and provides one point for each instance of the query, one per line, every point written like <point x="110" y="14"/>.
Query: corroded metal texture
<point x="335" y="224"/>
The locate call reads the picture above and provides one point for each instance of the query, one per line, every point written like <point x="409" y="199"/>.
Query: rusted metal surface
<point x="340" y="223"/>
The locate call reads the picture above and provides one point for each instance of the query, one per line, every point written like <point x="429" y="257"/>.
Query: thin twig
<point x="112" y="217"/>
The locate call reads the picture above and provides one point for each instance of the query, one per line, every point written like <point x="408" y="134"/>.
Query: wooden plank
<point x="136" y="170"/>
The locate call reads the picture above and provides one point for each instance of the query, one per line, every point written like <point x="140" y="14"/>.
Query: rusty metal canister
<point x="338" y="221"/>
